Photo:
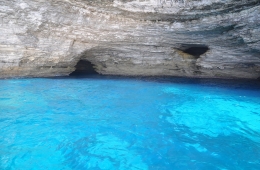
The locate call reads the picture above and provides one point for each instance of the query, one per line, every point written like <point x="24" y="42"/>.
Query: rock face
<point x="194" y="38"/>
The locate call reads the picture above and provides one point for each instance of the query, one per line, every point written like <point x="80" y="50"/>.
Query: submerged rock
<point x="194" y="38"/>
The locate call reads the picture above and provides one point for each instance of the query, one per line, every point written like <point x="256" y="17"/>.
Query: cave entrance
<point x="83" y="68"/>
<point x="196" y="51"/>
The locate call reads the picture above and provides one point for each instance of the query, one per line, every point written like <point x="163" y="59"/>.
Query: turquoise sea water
<point x="129" y="123"/>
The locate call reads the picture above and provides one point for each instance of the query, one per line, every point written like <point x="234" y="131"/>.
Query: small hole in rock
<point x="196" y="51"/>
<point x="83" y="68"/>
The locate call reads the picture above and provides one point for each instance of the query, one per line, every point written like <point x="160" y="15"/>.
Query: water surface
<point x="129" y="123"/>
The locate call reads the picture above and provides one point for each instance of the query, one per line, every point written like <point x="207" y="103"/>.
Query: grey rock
<point x="192" y="38"/>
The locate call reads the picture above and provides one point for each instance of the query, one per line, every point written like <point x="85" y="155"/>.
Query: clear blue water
<point x="129" y="123"/>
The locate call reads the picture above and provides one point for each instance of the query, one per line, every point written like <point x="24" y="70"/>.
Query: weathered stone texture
<point x="130" y="37"/>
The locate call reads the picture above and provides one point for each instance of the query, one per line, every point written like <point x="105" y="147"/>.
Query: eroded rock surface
<point x="194" y="38"/>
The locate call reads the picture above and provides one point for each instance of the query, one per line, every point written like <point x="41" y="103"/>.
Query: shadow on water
<point x="85" y="69"/>
<point x="230" y="83"/>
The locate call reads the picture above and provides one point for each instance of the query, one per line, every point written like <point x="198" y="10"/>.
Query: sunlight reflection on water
<point x="129" y="123"/>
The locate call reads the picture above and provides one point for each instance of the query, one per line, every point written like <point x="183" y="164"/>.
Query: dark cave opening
<point x="83" y="68"/>
<point x="196" y="51"/>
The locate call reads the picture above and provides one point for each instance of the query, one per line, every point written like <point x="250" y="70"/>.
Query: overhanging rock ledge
<point x="192" y="38"/>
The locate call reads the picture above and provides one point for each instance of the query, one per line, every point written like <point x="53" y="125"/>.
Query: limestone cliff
<point x="194" y="38"/>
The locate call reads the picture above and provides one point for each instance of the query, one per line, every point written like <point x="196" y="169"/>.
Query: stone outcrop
<point x="193" y="38"/>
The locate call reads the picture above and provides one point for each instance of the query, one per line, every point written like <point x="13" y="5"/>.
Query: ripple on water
<point x="129" y="123"/>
